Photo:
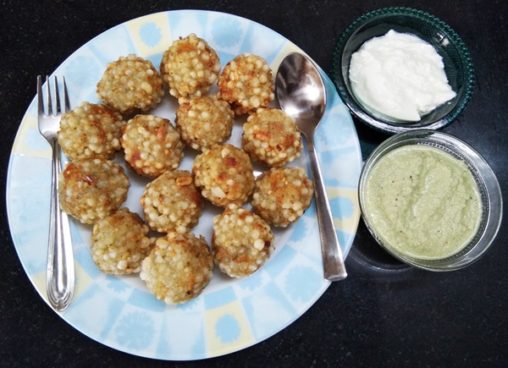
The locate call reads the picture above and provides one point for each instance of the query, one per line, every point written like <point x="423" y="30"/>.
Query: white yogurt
<point x="399" y="76"/>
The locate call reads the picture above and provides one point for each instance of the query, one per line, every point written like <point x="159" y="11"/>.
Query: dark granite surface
<point x="384" y="314"/>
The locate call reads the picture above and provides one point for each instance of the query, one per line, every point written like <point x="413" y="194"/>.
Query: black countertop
<point x="384" y="314"/>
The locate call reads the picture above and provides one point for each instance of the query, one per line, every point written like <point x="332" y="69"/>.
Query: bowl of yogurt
<point x="430" y="200"/>
<point x="399" y="69"/>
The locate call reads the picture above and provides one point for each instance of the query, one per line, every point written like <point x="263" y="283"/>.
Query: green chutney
<point x="422" y="202"/>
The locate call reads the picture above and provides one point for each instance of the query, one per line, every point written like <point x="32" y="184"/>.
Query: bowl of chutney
<point x="430" y="200"/>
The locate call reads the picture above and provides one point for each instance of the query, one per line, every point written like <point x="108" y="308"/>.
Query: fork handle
<point x="60" y="277"/>
<point x="333" y="261"/>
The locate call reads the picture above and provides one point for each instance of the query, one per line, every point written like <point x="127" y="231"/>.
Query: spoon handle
<point x="333" y="261"/>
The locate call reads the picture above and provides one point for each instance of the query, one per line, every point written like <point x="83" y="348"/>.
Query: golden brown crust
<point x="90" y="190"/>
<point x="90" y="131"/>
<point x="189" y="67"/>
<point x="224" y="175"/>
<point x="120" y="243"/>
<point x="131" y="85"/>
<point x="282" y="195"/>
<point x="270" y="136"/>
<point x="178" y="268"/>
<point x="241" y="242"/>
<point x="204" y="122"/>
<point x="246" y="83"/>
<point x="171" y="202"/>
<point x="151" y="145"/>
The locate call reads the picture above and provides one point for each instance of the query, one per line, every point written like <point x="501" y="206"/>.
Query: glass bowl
<point x="490" y="194"/>
<point x="456" y="59"/>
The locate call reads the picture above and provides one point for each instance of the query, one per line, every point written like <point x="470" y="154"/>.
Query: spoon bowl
<point x="301" y="94"/>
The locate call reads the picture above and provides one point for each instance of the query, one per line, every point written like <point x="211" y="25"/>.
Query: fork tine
<point x="40" y="102"/>
<point x="57" y="93"/>
<point x="50" y="106"/>
<point x="67" y="103"/>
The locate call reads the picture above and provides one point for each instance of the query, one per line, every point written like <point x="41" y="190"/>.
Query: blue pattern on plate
<point x="270" y="298"/>
<point x="344" y="238"/>
<point x="84" y="258"/>
<point x="226" y="31"/>
<point x="342" y="206"/>
<point x="135" y="330"/>
<point x="300" y="229"/>
<point x="77" y="239"/>
<point x="163" y="346"/>
<point x="116" y="284"/>
<point x="185" y="22"/>
<point x="333" y="132"/>
<point x="225" y="57"/>
<point x="343" y="168"/>
<point x="198" y="349"/>
<point x="302" y="282"/>
<point x="127" y="317"/>
<point x="94" y="302"/>
<point x="150" y="34"/>
<point x="219" y="298"/>
<point x="277" y="264"/>
<point x="227" y="328"/>
<point x="262" y="41"/>
<point x="331" y="157"/>
<point x="82" y="71"/>
<point x="30" y="213"/>
<point x="251" y="282"/>
<point x="311" y="211"/>
<point x="146" y="300"/>
<point x="83" y="298"/>
<point x="181" y="334"/>
<point x="340" y="128"/>
<point x="114" y="308"/>
<point x="155" y="59"/>
<point x="188" y="306"/>
<point x="101" y="45"/>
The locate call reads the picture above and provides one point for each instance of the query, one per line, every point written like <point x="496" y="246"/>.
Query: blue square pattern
<point x="267" y="308"/>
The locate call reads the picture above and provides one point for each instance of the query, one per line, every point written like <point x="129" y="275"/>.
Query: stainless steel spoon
<point x="301" y="94"/>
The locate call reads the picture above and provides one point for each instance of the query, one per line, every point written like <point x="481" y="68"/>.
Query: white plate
<point x="230" y="314"/>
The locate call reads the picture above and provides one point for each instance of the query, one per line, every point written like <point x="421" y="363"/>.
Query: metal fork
<point x="60" y="278"/>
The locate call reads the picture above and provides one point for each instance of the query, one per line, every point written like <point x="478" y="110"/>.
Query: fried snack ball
<point x="224" y="175"/>
<point x="241" y="242"/>
<point x="246" y="83"/>
<point x="271" y="136"/>
<point x="178" y="268"/>
<point x="131" y="85"/>
<point x="190" y="67"/>
<point x="120" y="243"/>
<point x="204" y="122"/>
<point x="90" y="131"/>
<point x="90" y="190"/>
<point x="151" y="145"/>
<point x="282" y="195"/>
<point x="171" y="202"/>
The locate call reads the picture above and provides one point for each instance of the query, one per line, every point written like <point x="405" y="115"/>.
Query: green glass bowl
<point x="456" y="59"/>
